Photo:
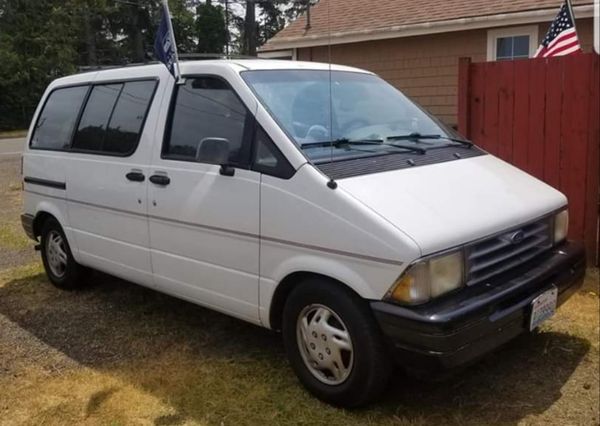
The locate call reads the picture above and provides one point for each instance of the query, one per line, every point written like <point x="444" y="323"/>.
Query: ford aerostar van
<point x="319" y="202"/>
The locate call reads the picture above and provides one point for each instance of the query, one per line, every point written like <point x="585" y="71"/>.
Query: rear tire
<point x="62" y="269"/>
<point x="334" y="345"/>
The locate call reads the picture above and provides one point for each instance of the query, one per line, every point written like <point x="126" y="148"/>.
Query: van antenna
<point x="331" y="184"/>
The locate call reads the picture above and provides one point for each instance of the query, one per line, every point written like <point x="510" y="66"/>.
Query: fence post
<point x="464" y="96"/>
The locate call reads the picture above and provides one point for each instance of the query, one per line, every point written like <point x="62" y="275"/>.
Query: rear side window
<point x="113" y="118"/>
<point x="128" y="117"/>
<point x="55" y="124"/>
<point x="92" y="126"/>
<point x="205" y="108"/>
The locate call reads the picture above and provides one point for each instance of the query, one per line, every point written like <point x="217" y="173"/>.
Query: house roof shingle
<point x="356" y="16"/>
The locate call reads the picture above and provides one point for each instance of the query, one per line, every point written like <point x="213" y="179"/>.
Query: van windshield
<point x="358" y="114"/>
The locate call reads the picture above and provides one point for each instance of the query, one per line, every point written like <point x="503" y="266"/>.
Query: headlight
<point x="429" y="278"/>
<point x="561" y="226"/>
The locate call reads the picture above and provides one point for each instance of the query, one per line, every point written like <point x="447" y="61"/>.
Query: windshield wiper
<point x="338" y="143"/>
<point x="416" y="137"/>
<point x="342" y="142"/>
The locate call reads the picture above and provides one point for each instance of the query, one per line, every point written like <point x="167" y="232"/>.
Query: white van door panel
<point x="107" y="188"/>
<point x="204" y="236"/>
<point x="108" y="215"/>
<point x="204" y="226"/>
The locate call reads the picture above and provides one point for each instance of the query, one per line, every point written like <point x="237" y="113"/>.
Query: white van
<point x="315" y="201"/>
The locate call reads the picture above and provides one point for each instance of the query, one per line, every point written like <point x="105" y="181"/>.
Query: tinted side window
<point x="92" y="127"/>
<point x="128" y="117"/>
<point x="268" y="159"/>
<point x="205" y="107"/>
<point x="113" y="117"/>
<point x="55" y="124"/>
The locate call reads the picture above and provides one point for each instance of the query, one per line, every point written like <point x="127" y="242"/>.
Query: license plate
<point x="543" y="307"/>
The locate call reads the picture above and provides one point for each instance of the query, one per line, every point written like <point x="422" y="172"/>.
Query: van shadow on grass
<point x="210" y="367"/>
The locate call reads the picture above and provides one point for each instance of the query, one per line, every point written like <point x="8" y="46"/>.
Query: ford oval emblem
<point x="517" y="237"/>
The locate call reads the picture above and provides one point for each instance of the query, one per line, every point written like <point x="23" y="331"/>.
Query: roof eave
<point x="424" y="28"/>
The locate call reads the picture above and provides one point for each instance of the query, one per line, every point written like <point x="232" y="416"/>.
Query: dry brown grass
<point x="8" y="134"/>
<point x="117" y="353"/>
<point x="120" y="354"/>
<point x="15" y="249"/>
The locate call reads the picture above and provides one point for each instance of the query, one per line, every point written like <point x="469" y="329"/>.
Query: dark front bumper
<point x="465" y="325"/>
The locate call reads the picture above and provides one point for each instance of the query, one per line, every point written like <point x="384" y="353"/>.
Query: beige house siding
<point x="424" y="67"/>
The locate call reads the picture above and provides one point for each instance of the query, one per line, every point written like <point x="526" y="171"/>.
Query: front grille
<point x="493" y="256"/>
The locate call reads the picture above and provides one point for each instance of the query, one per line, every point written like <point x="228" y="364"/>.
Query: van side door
<point x="107" y="171"/>
<point x="204" y="218"/>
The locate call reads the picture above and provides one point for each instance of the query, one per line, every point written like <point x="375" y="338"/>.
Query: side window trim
<point x="248" y="134"/>
<point x="90" y="86"/>
<point x="247" y="149"/>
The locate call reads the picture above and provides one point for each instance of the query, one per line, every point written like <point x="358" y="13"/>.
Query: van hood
<point x="448" y="204"/>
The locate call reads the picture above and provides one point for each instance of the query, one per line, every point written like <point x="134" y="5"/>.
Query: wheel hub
<point x="325" y="344"/>
<point x="56" y="253"/>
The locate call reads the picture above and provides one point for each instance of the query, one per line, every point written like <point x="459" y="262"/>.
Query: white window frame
<point x="278" y="54"/>
<point x="493" y="35"/>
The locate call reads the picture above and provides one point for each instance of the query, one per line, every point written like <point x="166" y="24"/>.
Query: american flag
<point x="561" y="38"/>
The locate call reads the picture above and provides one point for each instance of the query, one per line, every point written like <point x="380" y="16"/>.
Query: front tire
<point x="62" y="269"/>
<point x="334" y="344"/>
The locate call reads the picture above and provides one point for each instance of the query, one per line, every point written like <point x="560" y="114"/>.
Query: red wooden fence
<point x="542" y="115"/>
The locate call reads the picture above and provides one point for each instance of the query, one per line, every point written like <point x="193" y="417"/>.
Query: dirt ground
<point x="119" y="354"/>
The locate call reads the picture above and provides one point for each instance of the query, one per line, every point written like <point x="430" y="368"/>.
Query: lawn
<point x="8" y="134"/>
<point x="119" y="354"/>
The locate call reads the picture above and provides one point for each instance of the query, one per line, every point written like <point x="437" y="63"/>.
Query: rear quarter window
<point x="57" y="120"/>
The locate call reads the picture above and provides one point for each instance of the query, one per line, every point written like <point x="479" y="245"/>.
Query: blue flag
<point x="164" y="43"/>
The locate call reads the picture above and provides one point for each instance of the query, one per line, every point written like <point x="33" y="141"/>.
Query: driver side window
<point x="205" y="109"/>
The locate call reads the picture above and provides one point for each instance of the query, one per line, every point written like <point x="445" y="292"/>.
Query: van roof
<point x="198" y="66"/>
<point x="274" y="64"/>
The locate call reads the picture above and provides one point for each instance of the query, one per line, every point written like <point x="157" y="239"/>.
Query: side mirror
<point x="215" y="151"/>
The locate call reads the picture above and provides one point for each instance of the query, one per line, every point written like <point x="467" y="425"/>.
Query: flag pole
<point x="170" y="24"/>
<point x="570" y="6"/>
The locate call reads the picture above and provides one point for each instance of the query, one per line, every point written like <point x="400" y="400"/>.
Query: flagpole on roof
<point x="170" y="24"/>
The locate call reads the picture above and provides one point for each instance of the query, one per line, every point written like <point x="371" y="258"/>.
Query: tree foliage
<point x="210" y="28"/>
<point x="41" y="40"/>
<point x="35" y="48"/>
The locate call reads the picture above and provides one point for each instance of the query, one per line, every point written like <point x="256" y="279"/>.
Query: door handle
<point x="161" y="180"/>
<point x="135" y="176"/>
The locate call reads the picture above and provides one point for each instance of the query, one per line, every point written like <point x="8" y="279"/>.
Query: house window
<point x="508" y="44"/>
<point x="513" y="47"/>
